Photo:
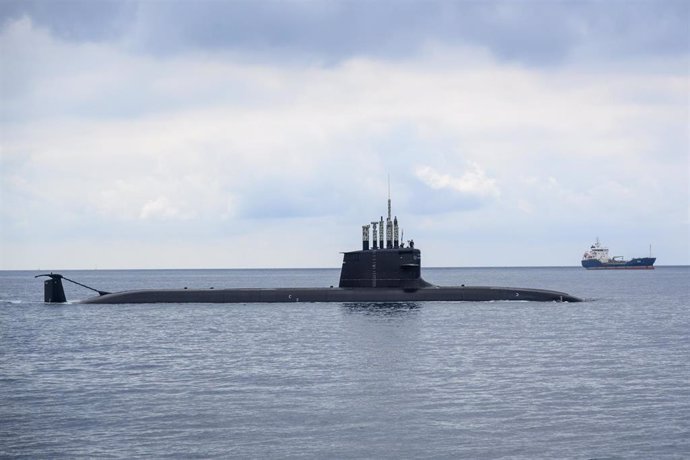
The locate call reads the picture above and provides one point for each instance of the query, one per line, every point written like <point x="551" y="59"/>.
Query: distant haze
<point x="229" y="134"/>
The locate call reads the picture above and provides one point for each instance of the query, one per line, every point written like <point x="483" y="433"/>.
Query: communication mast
<point x="391" y="230"/>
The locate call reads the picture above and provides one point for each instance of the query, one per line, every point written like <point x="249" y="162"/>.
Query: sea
<point x="608" y="378"/>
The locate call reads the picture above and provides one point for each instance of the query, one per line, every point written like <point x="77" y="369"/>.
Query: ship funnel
<point x="365" y="237"/>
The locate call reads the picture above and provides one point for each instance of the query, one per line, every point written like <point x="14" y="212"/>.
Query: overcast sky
<point x="232" y="134"/>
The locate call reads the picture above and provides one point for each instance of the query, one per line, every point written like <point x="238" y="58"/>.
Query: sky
<point x="258" y="134"/>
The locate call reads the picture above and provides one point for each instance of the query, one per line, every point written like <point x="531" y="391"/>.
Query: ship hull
<point x="640" y="263"/>
<point x="389" y="271"/>
<point x="285" y="295"/>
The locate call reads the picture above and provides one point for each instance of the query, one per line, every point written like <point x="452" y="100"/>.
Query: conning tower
<point x="384" y="265"/>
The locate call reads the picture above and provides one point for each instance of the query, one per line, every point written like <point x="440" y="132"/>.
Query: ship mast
<point x="391" y="230"/>
<point x="389" y="197"/>
<point x="389" y="223"/>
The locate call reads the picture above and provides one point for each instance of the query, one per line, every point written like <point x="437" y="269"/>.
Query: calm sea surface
<point x="607" y="378"/>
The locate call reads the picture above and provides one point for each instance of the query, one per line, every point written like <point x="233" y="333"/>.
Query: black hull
<point x="390" y="274"/>
<point x="283" y="295"/>
<point x="640" y="263"/>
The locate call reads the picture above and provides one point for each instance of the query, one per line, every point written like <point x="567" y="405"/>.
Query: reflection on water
<point x="381" y="308"/>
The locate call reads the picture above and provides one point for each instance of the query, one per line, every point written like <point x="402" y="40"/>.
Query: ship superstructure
<point x="597" y="258"/>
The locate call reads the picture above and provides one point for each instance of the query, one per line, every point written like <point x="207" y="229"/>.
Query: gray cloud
<point x="534" y="33"/>
<point x="142" y="127"/>
<point x="74" y="20"/>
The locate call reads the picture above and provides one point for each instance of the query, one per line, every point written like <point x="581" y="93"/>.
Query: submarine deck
<point x="334" y="294"/>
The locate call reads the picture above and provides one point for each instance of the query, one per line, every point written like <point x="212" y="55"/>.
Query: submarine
<point x="385" y="271"/>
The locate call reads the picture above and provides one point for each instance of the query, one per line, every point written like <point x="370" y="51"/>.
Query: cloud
<point x="160" y="206"/>
<point x="473" y="182"/>
<point x="73" y="20"/>
<point x="533" y="33"/>
<point x="102" y="141"/>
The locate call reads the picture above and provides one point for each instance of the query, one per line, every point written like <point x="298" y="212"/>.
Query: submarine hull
<point x="380" y="274"/>
<point x="284" y="295"/>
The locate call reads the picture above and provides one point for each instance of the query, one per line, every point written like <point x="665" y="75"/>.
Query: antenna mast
<point x="389" y="197"/>
<point x="389" y="222"/>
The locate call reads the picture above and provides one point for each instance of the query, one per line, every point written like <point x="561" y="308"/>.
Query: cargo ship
<point x="597" y="258"/>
